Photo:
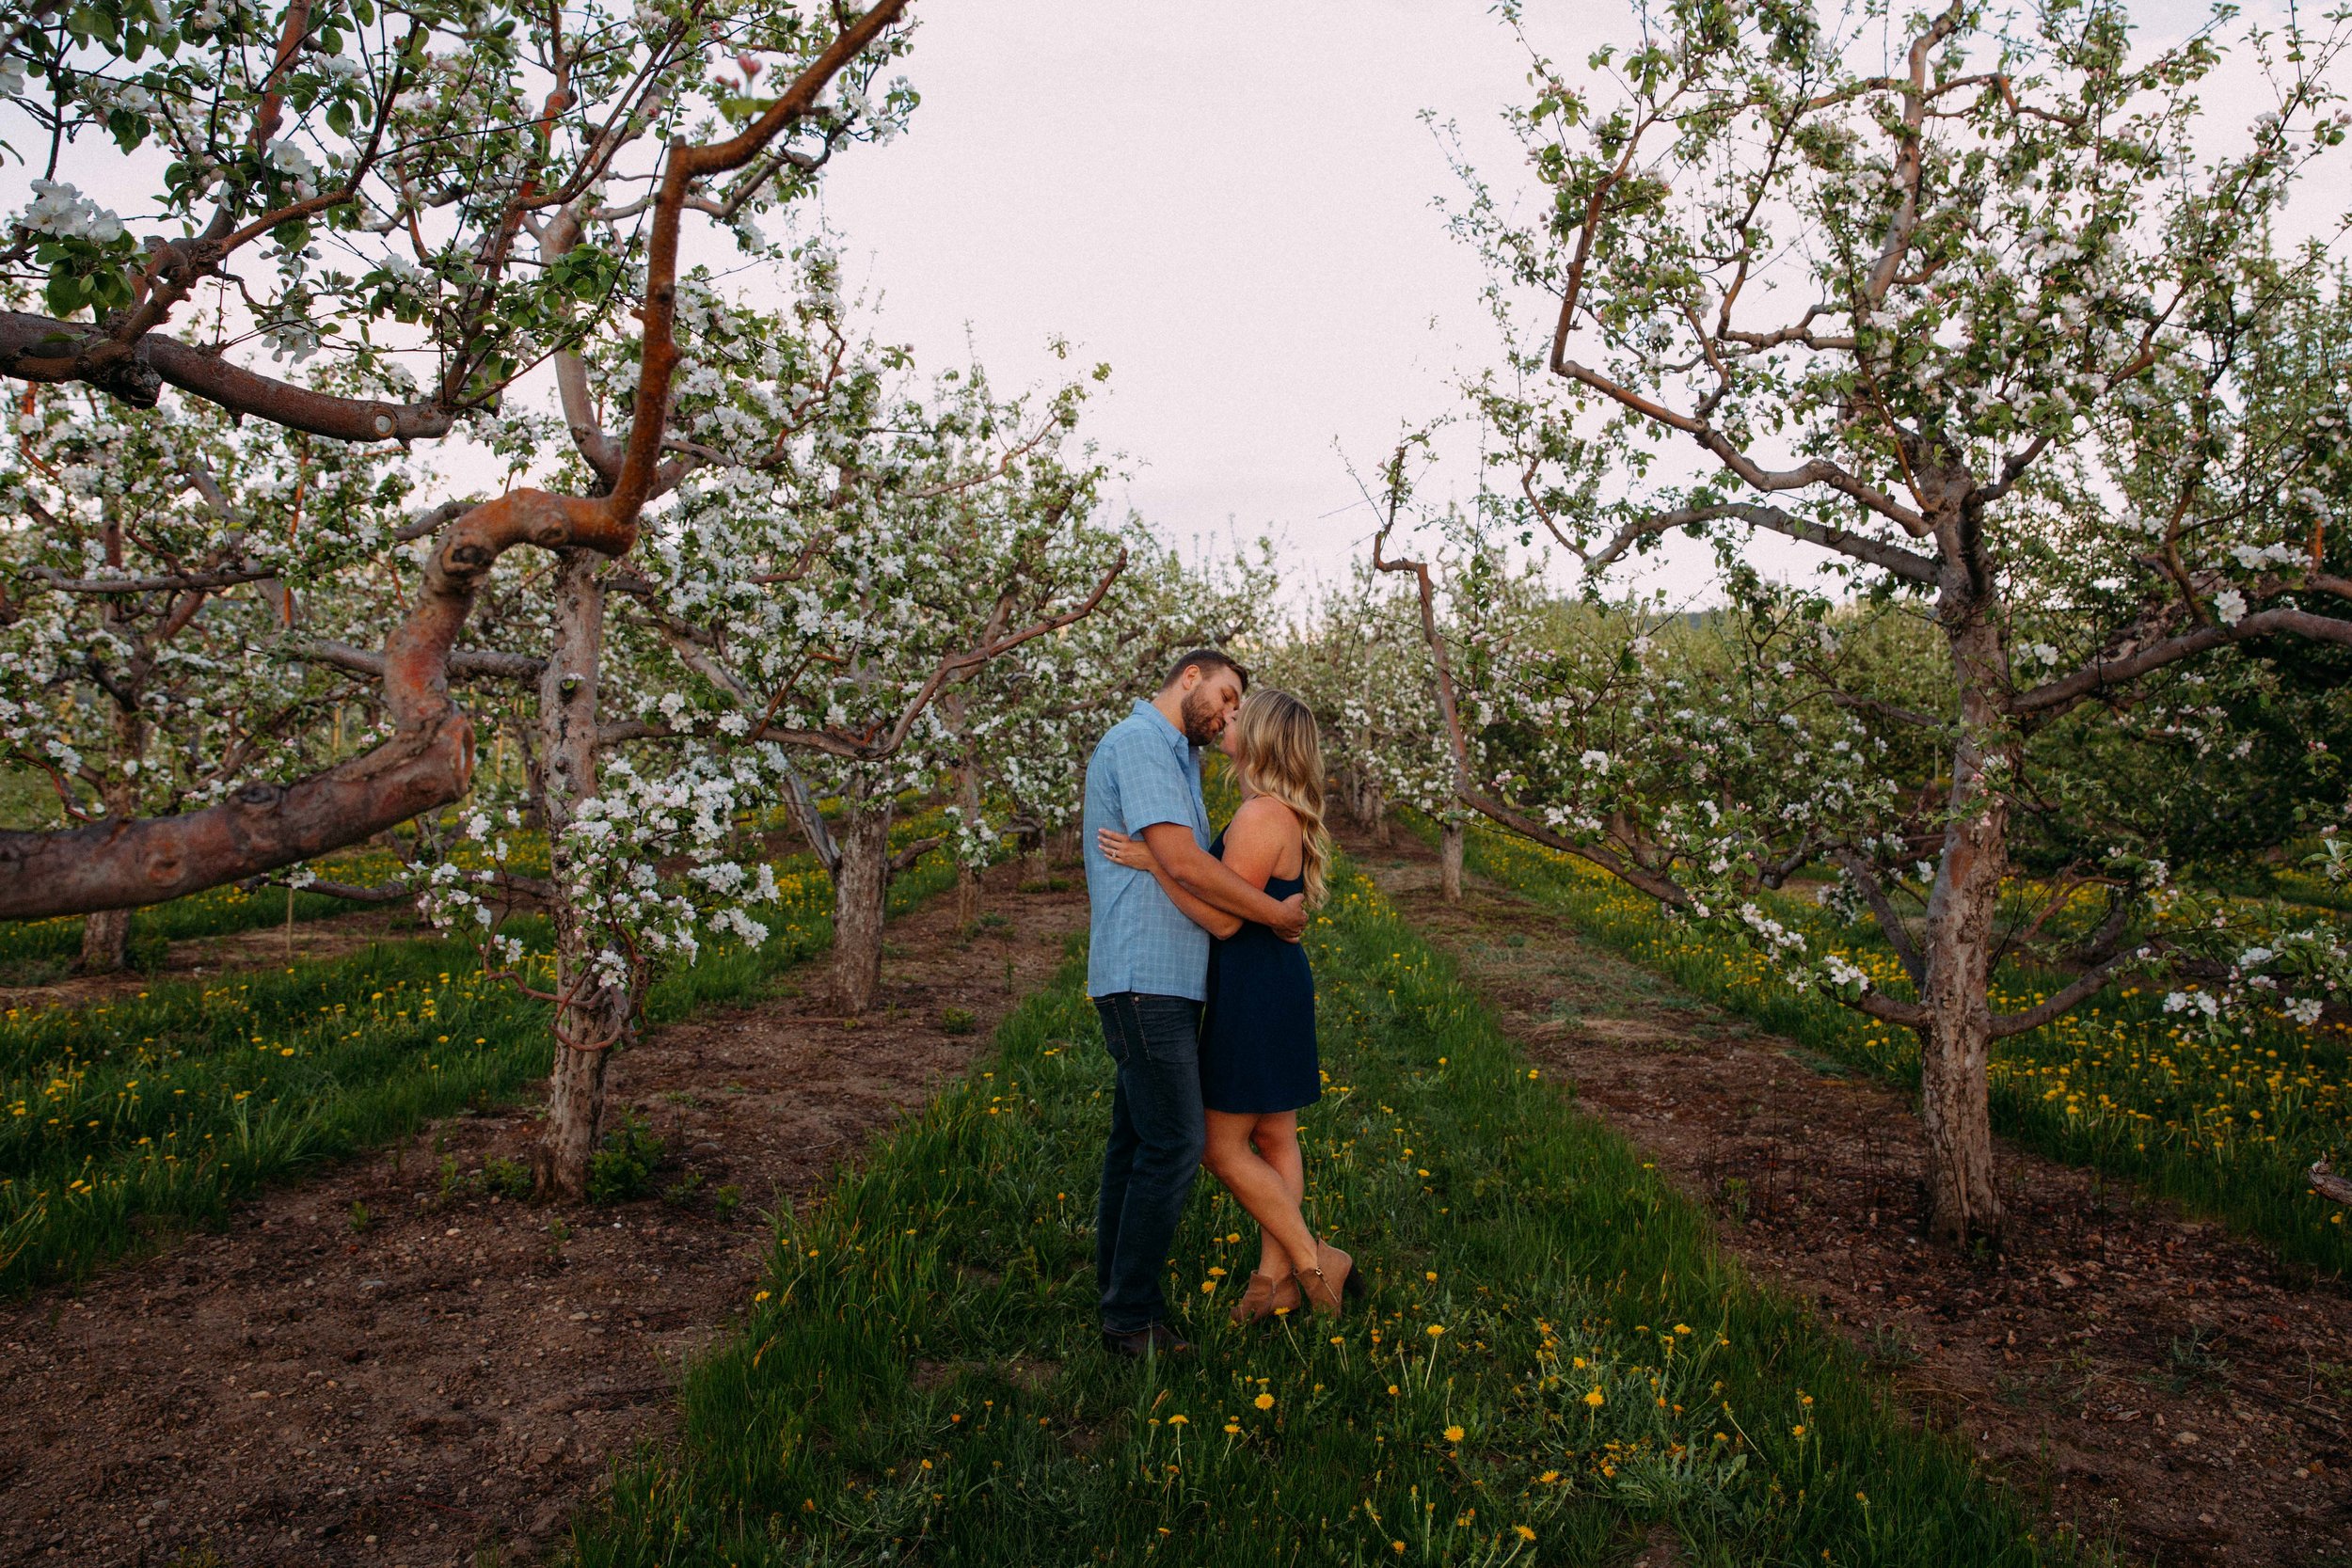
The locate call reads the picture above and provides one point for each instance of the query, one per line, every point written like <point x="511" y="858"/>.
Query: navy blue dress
<point x="1258" y="1030"/>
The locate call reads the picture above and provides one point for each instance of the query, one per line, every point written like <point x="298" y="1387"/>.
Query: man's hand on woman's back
<point x="1292" y="924"/>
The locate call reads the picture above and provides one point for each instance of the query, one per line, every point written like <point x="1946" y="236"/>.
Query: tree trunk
<point x="105" y="942"/>
<point x="1956" y="1042"/>
<point x="106" y="933"/>
<point x="1376" y="814"/>
<point x="595" y="1017"/>
<point x="859" y="884"/>
<point x="967" y="875"/>
<point x="1449" y="846"/>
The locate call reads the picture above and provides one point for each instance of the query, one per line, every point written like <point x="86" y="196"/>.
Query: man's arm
<point x="1213" y="883"/>
<point x="1213" y="921"/>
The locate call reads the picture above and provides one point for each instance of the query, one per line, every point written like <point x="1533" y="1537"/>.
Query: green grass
<point x="918" y="1379"/>
<point x="123" y="1121"/>
<point x="2224" y="1120"/>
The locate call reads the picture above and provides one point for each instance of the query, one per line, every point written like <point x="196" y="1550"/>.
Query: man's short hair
<point x="1210" y="661"/>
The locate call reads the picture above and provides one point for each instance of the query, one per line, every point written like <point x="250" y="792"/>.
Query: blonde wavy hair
<point x="1279" y="753"/>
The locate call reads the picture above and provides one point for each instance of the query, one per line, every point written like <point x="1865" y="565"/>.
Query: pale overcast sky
<point x="1232" y="203"/>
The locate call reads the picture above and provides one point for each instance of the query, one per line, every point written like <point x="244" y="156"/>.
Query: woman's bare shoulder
<point x="1264" y="813"/>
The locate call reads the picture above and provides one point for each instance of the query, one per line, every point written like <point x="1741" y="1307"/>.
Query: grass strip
<point x="125" y="1122"/>
<point x="2224" y="1119"/>
<point x="1555" y="1358"/>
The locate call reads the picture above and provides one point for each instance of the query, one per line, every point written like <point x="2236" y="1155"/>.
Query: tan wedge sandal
<point x="1265" y="1296"/>
<point x="1331" y="1279"/>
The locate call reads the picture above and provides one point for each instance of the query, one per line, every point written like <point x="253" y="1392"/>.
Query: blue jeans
<point x="1157" y="1135"/>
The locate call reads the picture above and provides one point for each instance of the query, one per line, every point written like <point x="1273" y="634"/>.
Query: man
<point x="1148" y="972"/>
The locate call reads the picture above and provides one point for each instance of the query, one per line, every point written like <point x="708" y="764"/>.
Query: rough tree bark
<point x="592" y="1016"/>
<point x="1449" y="846"/>
<point x="859" y="884"/>
<point x="1956" y="1038"/>
<point x="105" y="942"/>
<point x="106" y="933"/>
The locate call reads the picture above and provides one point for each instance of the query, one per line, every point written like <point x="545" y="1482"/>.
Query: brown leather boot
<point x="1328" y="1282"/>
<point x="1265" y="1296"/>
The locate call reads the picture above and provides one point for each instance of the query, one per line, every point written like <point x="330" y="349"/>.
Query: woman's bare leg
<point x="1277" y="1140"/>
<point x="1261" y="1188"/>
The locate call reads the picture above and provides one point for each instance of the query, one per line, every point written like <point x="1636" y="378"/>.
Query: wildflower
<point x="1436" y="1329"/>
<point x="1595" y="1399"/>
<point x="1453" y="1435"/>
<point x="1264" y="1402"/>
<point x="1523" y="1532"/>
<point x="1180" y="1420"/>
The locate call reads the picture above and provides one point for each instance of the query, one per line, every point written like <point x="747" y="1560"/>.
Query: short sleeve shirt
<point x="1144" y="772"/>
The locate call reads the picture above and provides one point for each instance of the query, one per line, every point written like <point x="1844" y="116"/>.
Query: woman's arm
<point x="1122" y="850"/>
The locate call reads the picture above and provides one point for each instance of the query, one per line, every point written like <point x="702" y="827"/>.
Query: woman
<point x="1258" y="1066"/>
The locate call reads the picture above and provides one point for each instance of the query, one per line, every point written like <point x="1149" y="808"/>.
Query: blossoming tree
<point x="851" y="549"/>
<point x="1022" y="730"/>
<point x="471" y="192"/>
<point x="1358" y="658"/>
<point x="147" y="564"/>
<point x="1982" y="327"/>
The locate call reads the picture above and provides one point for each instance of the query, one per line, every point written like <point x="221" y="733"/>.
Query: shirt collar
<point x="1167" y="730"/>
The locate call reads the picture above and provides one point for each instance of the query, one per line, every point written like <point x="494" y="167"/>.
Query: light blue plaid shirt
<point x="1144" y="772"/>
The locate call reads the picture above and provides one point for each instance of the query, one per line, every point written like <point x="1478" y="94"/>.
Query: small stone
<point x="2183" y="1440"/>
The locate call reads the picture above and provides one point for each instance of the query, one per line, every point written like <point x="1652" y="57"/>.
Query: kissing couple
<point x="1207" y="1002"/>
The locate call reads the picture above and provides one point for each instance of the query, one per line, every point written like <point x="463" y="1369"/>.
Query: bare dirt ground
<point x="371" y="1369"/>
<point x="2164" y="1388"/>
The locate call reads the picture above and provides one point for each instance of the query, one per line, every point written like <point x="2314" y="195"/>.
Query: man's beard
<point x="1204" y="717"/>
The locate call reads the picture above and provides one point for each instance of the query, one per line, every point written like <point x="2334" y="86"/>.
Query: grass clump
<point x="1554" y="1358"/>
<point x="621" y="1170"/>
